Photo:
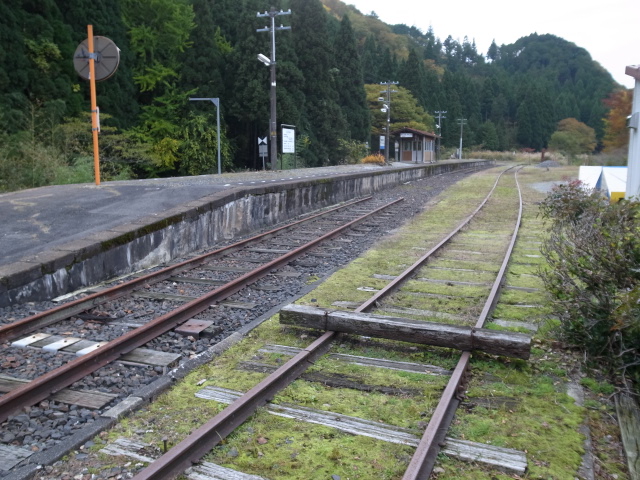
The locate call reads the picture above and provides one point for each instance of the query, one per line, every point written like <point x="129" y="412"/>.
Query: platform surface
<point x="35" y="220"/>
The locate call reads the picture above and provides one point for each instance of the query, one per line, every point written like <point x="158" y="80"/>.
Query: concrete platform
<point x="60" y="238"/>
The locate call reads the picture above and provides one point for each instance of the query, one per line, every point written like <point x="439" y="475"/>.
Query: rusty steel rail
<point x="202" y="440"/>
<point x="54" y="381"/>
<point x="29" y="324"/>
<point x="408" y="273"/>
<point x="425" y="455"/>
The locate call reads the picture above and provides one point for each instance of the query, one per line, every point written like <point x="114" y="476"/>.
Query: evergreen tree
<point x="34" y="72"/>
<point x="309" y="28"/>
<point x="370" y="61"/>
<point x="411" y="76"/>
<point x="203" y="65"/>
<point x="493" y="53"/>
<point x="489" y="136"/>
<point x="432" y="45"/>
<point x="525" y="125"/>
<point x="351" y="94"/>
<point x="247" y="90"/>
<point x="388" y="67"/>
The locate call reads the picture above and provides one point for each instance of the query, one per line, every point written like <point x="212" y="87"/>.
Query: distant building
<point x="416" y="146"/>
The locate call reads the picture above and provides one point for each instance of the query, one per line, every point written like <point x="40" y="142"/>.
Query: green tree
<point x="159" y="32"/>
<point x="405" y="111"/>
<point x="489" y="136"/>
<point x="199" y="146"/>
<point x="573" y="137"/>
<point x="351" y="94"/>
<point x="493" y="53"/>
<point x="34" y="41"/>
<point x="411" y="76"/>
<point x="370" y="61"/>
<point x="323" y="114"/>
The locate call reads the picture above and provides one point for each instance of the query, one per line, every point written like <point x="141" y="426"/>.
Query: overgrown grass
<point x="544" y="421"/>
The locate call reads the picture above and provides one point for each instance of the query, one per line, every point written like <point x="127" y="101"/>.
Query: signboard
<point x="406" y="135"/>
<point x="382" y="142"/>
<point x="288" y="140"/>
<point x="262" y="147"/>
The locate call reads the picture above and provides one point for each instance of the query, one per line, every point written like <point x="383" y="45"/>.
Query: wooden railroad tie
<point x="509" y="344"/>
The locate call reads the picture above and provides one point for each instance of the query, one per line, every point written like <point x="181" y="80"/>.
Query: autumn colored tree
<point x="616" y="133"/>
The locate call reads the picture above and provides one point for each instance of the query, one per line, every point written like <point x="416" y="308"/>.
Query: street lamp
<point x="439" y="127"/>
<point x="271" y="62"/>
<point x="216" y="102"/>
<point x="387" y="110"/>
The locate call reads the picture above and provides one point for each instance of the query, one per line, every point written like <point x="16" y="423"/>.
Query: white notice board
<point x="288" y="140"/>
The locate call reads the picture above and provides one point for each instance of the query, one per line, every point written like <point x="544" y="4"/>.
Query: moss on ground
<point x="543" y="421"/>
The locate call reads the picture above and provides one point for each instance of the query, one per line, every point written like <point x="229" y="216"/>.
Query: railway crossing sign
<point x="262" y="147"/>
<point x="263" y="150"/>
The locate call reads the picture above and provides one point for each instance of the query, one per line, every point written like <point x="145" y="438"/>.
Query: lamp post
<point x="387" y="109"/>
<point x="461" y="122"/>
<point x="439" y="127"/>
<point x="216" y="102"/>
<point x="271" y="62"/>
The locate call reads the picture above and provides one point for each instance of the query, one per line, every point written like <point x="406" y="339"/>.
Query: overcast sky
<point x="608" y="29"/>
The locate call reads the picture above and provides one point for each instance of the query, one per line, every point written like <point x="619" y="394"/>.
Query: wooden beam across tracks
<point x="509" y="344"/>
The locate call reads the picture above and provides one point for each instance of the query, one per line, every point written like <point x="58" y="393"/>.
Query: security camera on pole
<point x="271" y="62"/>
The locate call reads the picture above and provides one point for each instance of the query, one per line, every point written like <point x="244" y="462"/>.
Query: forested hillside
<point x="512" y="96"/>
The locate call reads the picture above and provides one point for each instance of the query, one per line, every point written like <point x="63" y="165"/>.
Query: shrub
<point x="351" y="150"/>
<point x="374" y="158"/>
<point x="593" y="253"/>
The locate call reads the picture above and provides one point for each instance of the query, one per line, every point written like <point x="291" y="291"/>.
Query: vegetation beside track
<point x="509" y="403"/>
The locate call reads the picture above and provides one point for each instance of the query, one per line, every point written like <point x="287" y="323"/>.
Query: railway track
<point x="206" y="282"/>
<point x="420" y="316"/>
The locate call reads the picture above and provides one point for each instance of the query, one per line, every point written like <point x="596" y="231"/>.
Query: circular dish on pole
<point x="106" y="56"/>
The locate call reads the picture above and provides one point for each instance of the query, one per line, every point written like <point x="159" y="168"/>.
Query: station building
<point x="415" y="146"/>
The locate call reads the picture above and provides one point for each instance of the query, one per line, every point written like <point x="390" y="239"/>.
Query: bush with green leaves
<point x="593" y="273"/>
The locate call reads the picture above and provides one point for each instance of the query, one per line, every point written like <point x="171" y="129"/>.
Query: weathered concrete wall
<point x="194" y="226"/>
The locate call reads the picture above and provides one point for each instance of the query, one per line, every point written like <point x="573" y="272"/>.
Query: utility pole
<point x="462" y="122"/>
<point x="441" y="117"/>
<point x="387" y="109"/>
<point x="271" y="62"/>
<point x="633" y="123"/>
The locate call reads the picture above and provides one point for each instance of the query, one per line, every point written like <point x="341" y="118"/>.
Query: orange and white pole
<point x="94" y="108"/>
